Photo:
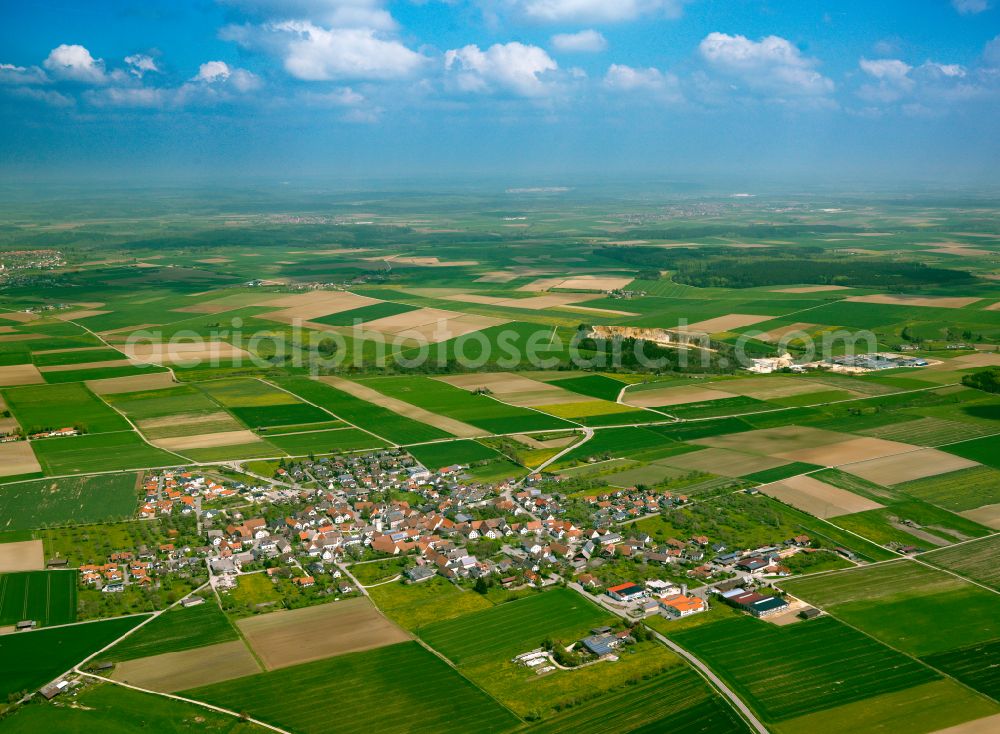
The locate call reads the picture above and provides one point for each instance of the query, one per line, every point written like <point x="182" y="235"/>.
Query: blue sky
<point x="889" y="91"/>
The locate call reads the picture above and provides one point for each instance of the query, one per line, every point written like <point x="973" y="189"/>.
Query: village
<point x="303" y="541"/>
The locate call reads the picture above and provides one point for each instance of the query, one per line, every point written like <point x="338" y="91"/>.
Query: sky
<point x="547" y="91"/>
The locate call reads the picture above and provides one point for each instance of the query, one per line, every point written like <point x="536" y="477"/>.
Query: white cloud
<point x="140" y="64"/>
<point x="595" y="11"/>
<point x="75" y="62"/>
<point x="511" y="67"/>
<point x="589" y="41"/>
<point x="889" y="69"/>
<point x="771" y="66"/>
<point x="970" y="7"/>
<point x="127" y="97"/>
<point x="622" y="78"/>
<point x="892" y="79"/>
<point x="313" y="53"/>
<point x="331" y="13"/>
<point x="11" y="74"/>
<point x="46" y="96"/>
<point x="219" y="72"/>
<point x="212" y="71"/>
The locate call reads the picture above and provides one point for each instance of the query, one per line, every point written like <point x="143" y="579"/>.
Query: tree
<point x="987" y="380"/>
<point x="481" y="586"/>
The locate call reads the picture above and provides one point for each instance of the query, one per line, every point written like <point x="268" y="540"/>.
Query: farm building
<point x="757" y="604"/>
<point x="681" y="605"/>
<point x="626" y="592"/>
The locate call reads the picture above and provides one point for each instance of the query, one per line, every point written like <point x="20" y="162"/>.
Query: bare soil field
<point x="312" y="305"/>
<point x="214" y="260"/>
<point x="291" y="637"/>
<point x="220" y="305"/>
<point x="846" y="452"/>
<point x="20" y="374"/>
<point x="21" y="337"/>
<point x="726" y="323"/>
<point x="17" y="458"/>
<point x="779" y="332"/>
<point x="207" y="440"/>
<point x="132" y="383"/>
<point x="187" y="420"/>
<point x="773" y="441"/>
<point x="986" y="725"/>
<point x="457" y="428"/>
<point x="497" y="277"/>
<point x="7" y="330"/>
<point x="177" y="671"/>
<point x="724" y="462"/>
<point x="429" y="325"/>
<point x="988" y="515"/>
<point x="818" y="498"/>
<point x="426" y="262"/>
<point x="552" y="443"/>
<point x="891" y="470"/>
<point x="903" y="300"/>
<point x="514" y="389"/>
<point x="18" y="316"/>
<point x="766" y="388"/>
<point x="160" y="353"/>
<point x="84" y="314"/>
<point x="601" y="311"/>
<point x="812" y="289"/>
<point x="578" y="282"/>
<point x="87" y="366"/>
<point x="26" y="555"/>
<point x="982" y="359"/>
<point x="666" y="396"/>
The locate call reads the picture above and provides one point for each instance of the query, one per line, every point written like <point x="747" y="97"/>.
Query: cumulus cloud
<point x="219" y="72"/>
<point x="140" y="64"/>
<point x="332" y="13"/>
<point x="595" y="11"/>
<point x="589" y="41"/>
<point x="75" y="63"/>
<point x="509" y="67"/>
<point x="314" y="53"/>
<point x="771" y="66"/>
<point x="11" y="74"/>
<point x="653" y="83"/>
<point x="970" y="7"/>
<point x="892" y="79"/>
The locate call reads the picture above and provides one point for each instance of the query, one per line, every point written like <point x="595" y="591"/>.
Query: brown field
<point x="177" y="671"/>
<point x="602" y="311"/>
<point x="772" y="441"/>
<point x="497" y="277"/>
<point x="514" y="389"/>
<point x="552" y="443"/>
<point x="665" y="396"/>
<point x="988" y="515"/>
<point x="811" y="289"/>
<point x="26" y="555"/>
<point x="452" y="426"/>
<point x="186" y="419"/>
<point x="17" y="458"/>
<point x="902" y="300"/>
<point x="425" y="262"/>
<point x="7" y="330"/>
<point x="982" y="359"/>
<point x="818" y="498"/>
<point x="765" y="388"/>
<point x="847" y="452"/>
<point x="131" y="383"/>
<point x="430" y="325"/>
<point x="579" y="283"/>
<point x="86" y="366"/>
<point x="291" y="637"/>
<point x="779" y="332"/>
<point x="410" y="320"/>
<point x="535" y="303"/>
<point x="20" y="374"/>
<point x="986" y="725"/>
<point x="220" y="305"/>
<point x="906" y="467"/>
<point x="726" y="323"/>
<point x="207" y="440"/>
<point x="127" y="329"/>
<point x="160" y="353"/>
<point x="86" y="313"/>
<point x="18" y="316"/>
<point x="72" y="350"/>
<point x="724" y="462"/>
<point x="312" y="305"/>
<point x="214" y="260"/>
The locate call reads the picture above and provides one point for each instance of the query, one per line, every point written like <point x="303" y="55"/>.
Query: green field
<point x="40" y="407"/>
<point x="977" y="666"/>
<point x="112" y="709"/>
<point x="99" y="452"/>
<point x="906" y="605"/>
<point x="65" y="358"/>
<point x="47" y="597"/>
<point x="784" y="672"/>
<point x="378" y="420"/>
<point x="676" y="700"/>
<point x="978" y="560"/>
<point x="325" y="442"/>
<point x="31" y="659"/>
<point x="70" y="500"/>
<point x="984" y="450"/>
<point x="365" y="313"/>
<point x="446" y="453"/>
<point x="400" y="688"/>
<point x="596" y="386"/>
<point x="477" y="410"/>
<point x="180" y="628"/>
<point x="413" y="606"/>
<point x="514" y="627"/>
<point x="965" y="489"/>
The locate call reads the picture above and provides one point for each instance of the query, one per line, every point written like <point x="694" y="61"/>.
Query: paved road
<point x="700" y="666"/>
